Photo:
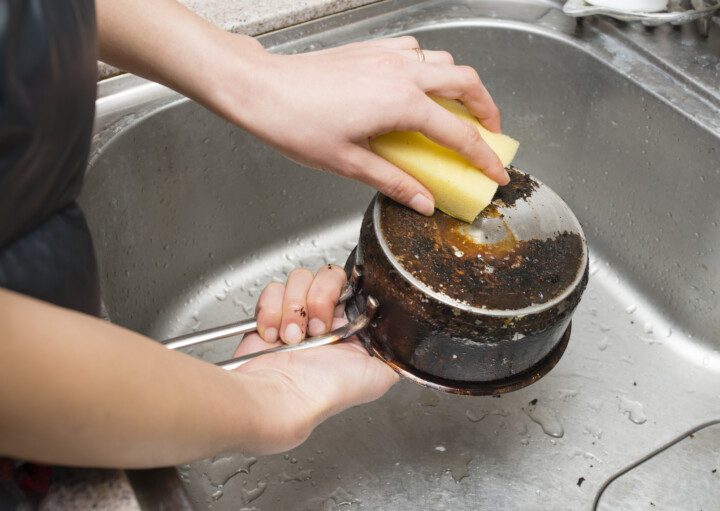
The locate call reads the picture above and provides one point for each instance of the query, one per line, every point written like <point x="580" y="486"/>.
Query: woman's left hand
<point x="318" y="382"/>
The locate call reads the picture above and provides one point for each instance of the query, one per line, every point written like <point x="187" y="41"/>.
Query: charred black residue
<point x="508" y="274"/>
<point x="521" y="186"/>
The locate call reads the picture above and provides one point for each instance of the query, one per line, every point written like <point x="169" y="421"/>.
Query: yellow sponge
<point x="460" y="189"/>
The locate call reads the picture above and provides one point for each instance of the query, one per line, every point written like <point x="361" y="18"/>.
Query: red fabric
<point x="34" y="478"/>
<point x="7" y="469"/>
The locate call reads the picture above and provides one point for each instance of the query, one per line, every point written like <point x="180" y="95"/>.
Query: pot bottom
<point x="486" y="388"/>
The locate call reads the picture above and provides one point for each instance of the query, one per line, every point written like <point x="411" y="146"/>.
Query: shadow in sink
<point x="191" y="218"/>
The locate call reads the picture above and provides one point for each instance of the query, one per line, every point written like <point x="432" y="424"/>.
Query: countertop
<point x="254" y="17"/>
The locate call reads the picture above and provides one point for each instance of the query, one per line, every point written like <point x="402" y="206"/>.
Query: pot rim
<point x="502" y="313"/>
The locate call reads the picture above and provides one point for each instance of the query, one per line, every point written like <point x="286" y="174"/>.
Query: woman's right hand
<point x="319" y="108"/>
<point x="322" y="108"/>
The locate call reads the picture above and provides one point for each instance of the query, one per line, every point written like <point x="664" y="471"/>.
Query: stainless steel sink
<point x="192" y="217"/>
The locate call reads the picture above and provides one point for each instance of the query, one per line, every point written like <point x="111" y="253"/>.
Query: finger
<point x="446" y="129"/>
<point x="463" y="83"/>
<point x="268" y="311"/>
<point x="405" y="42"/>
<point x="389" y="43"/>
<point x="323" y="296"/>
<point x="365" y="166"/>
<point x="339" y="312"/>
<point x="253" y="342"/>
<point x="294" y="306"/>
<point x="428" y="56"/>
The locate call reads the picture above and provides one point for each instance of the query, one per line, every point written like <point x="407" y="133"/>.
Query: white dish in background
<point x="675" y="12"/>
<point x="631" y="5"/>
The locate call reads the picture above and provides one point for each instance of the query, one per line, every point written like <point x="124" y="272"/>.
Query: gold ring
<point x="420" y="54"/>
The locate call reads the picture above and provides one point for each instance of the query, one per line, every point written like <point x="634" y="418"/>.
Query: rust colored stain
<point x="507" y="273"/>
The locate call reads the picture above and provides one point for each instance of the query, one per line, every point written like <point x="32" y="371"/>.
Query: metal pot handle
<point x="250" y="325"/>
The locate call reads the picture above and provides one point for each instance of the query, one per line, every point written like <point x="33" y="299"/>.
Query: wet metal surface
<point x="191" y="218"/>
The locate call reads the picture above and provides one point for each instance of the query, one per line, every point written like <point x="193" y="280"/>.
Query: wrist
<point x="235" y="75"/>
<point x="275" y="416"/>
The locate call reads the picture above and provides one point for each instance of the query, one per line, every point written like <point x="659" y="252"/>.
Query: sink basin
<point x="192" y="217"/>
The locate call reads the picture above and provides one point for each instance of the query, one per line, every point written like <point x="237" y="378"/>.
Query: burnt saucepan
<point x="481" y="308"/>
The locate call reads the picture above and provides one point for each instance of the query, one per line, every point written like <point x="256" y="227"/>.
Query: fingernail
<point x="293" y="334"/>
<point x="316" y="327"/>
<point x="422" y="204"/>
<point x="507" y="177"/>
<point x="270" y="334"/>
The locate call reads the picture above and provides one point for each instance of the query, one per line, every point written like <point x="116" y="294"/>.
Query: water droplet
<point x="224" y="468"/>
<point x="458" y="466"/>
<point x="440" y="448"/>
<point x="249" y="495"/>
<point x="631" y="308"/>
<point x="648" y="328"/>
<point x="338" y="499"/>
<point x="649" y="340"/>
<point x="300" y="475"/>
<point x="585" y="454"/>
<point x="566" y="394"/>
<point x="428" y="398"/>
<point x="475" y="415"/>
<point x="594" y="431"/>
<point x="633" y="409"/>
<point x="546" y="420"/>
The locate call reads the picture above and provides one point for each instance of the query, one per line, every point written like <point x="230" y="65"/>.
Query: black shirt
<point x="48" y="75"/>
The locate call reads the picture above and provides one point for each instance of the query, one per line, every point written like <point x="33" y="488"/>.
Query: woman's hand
<point x="306" y="303"/>
<point x="318" y="382"/>
<point x="318" y="108"/>
<point x="321" y="108"/>
<point x="109" y="397"/>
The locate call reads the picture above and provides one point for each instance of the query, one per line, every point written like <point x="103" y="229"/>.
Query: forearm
<point x="80" y="391"/>
<point x="165" y="42"/>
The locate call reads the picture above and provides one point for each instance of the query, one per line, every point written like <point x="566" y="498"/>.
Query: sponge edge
<point x="460" y="189"/>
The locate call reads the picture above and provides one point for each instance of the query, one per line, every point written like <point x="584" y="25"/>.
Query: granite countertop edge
<point x="254" y="17"/>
